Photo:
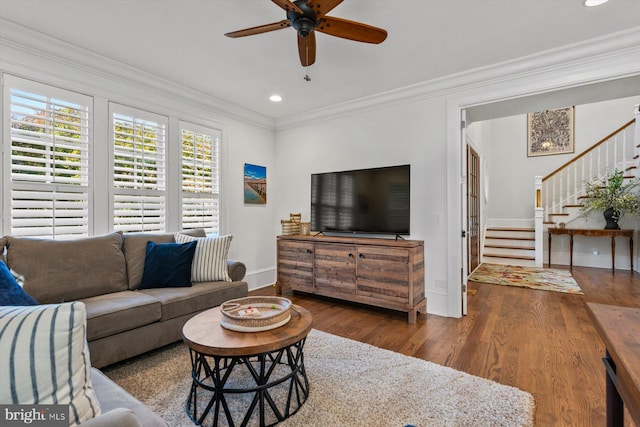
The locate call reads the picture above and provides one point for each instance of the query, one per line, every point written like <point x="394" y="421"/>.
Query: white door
<point x="464" y="221"/>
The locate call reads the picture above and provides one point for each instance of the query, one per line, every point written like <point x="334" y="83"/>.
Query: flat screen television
<point x="362" y="201"/>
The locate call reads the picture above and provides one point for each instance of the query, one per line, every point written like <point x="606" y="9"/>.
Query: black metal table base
<point x="261" y="389"/>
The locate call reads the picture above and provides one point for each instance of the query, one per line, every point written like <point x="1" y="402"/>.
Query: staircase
<point x="558" y="196"/>
<point x="564" y="188"/>
<point x="509" y="245"/>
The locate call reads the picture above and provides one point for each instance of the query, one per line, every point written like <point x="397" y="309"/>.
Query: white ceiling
<point x="183" y="41"/>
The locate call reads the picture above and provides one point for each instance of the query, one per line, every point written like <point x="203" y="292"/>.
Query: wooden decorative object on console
<point x="381" y="272"/>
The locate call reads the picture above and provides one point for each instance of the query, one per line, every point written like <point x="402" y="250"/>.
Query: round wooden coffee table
<point x="246" y="377"/>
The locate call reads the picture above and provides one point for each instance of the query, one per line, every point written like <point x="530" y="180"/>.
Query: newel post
<point x="636" y="135"/>
<point x="538" y="221"/>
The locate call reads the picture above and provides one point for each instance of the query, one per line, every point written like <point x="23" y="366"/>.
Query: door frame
<point x="601" y="61"/>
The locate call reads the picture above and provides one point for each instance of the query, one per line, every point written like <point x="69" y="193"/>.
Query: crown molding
<point x="612" y="56"/>
<point x="16" y="41"/>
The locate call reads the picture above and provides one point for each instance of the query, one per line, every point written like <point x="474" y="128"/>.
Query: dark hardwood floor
<point x="539" y="341"/>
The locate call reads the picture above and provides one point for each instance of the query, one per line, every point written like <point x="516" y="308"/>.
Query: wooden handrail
<point x="593" y="147"/>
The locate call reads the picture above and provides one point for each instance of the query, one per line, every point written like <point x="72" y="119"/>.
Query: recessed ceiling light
<point x="591" y="3"/>
<point x="275" y="98"/>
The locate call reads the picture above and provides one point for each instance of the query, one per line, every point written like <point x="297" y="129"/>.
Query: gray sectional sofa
<point x="104" y="272"/>
<point x="123" y="321"/>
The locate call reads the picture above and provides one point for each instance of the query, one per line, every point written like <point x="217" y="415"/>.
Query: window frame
<point x="85" y="186"/>
<point x="131" y="193"/>
<point x="216" y="178"/>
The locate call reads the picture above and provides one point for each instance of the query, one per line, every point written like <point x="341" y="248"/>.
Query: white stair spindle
<point x="615" y="153"/>
<point x="546" y="199"/>
<point x="636" y="138"/>
<point x="568" y="191"/>
<point x="575" y="183"/>
<point x="624" y="150"/>
<point x="582" y="180"/>
<point x="553" y="195"/>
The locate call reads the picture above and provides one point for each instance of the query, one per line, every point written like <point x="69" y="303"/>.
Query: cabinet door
<point x="383" y="272"/>
<point x="335" y="268"/>
<point x="295" y="265"/>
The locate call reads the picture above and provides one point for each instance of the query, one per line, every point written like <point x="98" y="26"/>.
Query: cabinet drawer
<point x="335" y="268"/>
<point x="384" y="273"/>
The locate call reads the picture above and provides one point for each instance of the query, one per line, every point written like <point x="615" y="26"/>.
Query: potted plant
<point x="614" y="196"/>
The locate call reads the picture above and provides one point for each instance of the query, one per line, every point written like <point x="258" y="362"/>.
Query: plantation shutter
<point x="139" y="170"/>
<point x="49" y="146"/>
<point x="200" y="177"/>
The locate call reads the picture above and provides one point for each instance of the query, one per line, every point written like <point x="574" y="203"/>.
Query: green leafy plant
<point x="615" y="192"/>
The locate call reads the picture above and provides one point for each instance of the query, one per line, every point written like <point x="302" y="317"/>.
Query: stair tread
<point x="526" y="248"/>
<point x="529" y="258"/>
<point x="559" y="214"/>
<point x="573" y="206"/>
<point x="510" y="238"/>
<point x="511" y="229"/>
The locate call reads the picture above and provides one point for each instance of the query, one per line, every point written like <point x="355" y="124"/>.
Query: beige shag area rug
<point x="351" y="384"/>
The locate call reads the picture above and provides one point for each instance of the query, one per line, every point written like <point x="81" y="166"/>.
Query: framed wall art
<point x="255" y="184"/>
<point x="550" y="132"/>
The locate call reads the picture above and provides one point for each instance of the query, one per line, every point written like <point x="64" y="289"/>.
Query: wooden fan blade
<point x="322" y="7"/>
<point x="287" y="5"/>
<point x="351" y="30"/>
<point x="261" y="29"/>
<point x="307" y="49"/>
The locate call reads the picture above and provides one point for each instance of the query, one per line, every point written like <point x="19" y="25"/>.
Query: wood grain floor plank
<point x="539" y="341"/>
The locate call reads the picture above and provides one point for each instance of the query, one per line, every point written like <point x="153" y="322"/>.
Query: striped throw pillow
<point x="44" y="358"/>
<point x="210" y="260"/>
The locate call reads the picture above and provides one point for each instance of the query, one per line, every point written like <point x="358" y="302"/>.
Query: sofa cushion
<point x="135" y="249"/>
<point x="201" y="296"/>
<point x="119" y="311"/>
<point x="11" y="293"/>
<point x="120" y="417"/>
<point x="167" y="264"/>
<point x="66" y="270"/>
<point x="210" y="260"/>
<point x="44" y="358"/>
<point x="112" y="396"/>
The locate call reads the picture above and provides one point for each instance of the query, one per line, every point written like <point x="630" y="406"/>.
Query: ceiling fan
<point x="308" y="16"/>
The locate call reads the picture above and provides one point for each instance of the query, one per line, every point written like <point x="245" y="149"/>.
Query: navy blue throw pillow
<point x="168" y="265"/>
<point x="11" y="293"/>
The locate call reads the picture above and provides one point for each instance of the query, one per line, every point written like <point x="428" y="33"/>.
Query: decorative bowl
<point x="255" y="314"/>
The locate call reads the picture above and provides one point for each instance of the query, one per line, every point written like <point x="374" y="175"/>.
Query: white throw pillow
<point x="44" y="358"/>
<point x="210" y="260"/>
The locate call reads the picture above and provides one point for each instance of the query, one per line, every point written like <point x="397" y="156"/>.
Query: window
<point x="139" y="170"/>
<point x="200" y="177"/>
<point x="49" y="129"/>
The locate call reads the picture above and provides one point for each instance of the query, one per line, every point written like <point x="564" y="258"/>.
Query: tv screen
<point x="362" y="201"/>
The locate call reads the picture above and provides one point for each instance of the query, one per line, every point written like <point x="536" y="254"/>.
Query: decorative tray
<point x="255" y="314"/>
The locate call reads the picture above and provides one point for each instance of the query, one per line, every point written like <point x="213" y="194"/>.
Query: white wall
<point x="411" y="133"/>
<point x="511" y="172"/>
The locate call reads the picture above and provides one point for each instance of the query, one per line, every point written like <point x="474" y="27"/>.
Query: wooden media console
<point x="381" y="272"/>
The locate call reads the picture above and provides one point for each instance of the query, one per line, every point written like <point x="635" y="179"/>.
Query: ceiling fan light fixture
<point x="275" y="98"/>
<point x="592" y="3"/>
<point x="304" y="26"/>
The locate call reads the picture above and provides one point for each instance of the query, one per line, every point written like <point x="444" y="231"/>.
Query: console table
<point x="381" y="272"/>
<point x="592" y="232"/>
<point x="619" y="328"/>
